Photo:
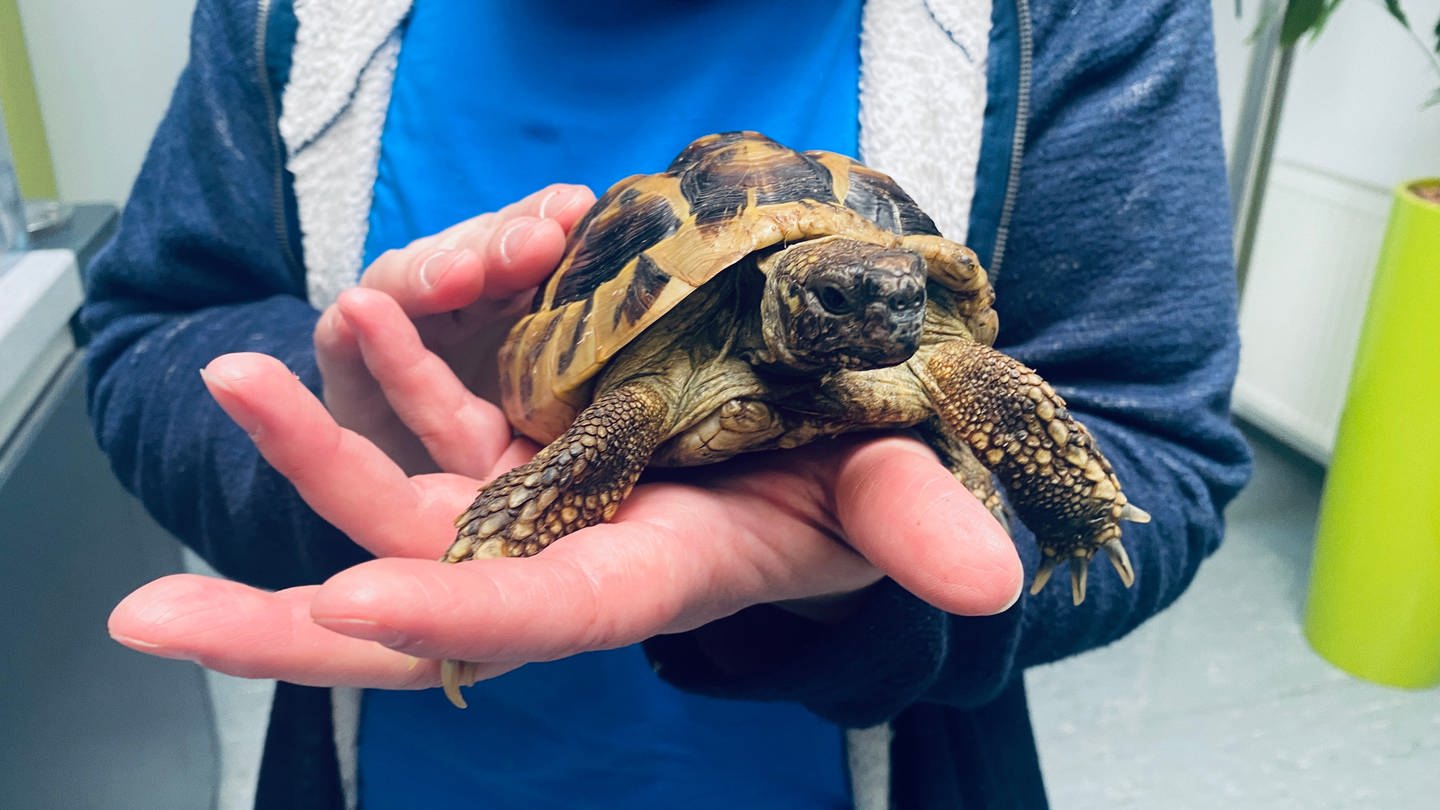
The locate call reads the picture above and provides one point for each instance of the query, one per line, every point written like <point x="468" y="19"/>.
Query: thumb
<point x="912" y="519"/>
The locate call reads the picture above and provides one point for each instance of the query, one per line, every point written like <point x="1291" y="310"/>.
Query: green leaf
<point x="1437" y="36"/>
<point x="1305" y="17"/>
<point x="1300" y="16"/>
<point x="1393" y="6"/>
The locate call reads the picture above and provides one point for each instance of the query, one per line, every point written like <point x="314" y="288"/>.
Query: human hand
<point x="463" y="288"/>
<point x="819" y="521"/>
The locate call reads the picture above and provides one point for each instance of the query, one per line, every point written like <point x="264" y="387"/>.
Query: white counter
<point x="38" y="296"/>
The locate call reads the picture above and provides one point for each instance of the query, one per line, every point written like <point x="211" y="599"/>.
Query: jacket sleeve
<point x="1118" y="286"/>
<point x="200" y="266"/>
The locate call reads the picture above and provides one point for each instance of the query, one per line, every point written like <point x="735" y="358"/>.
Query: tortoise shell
<point x="652" y="240"/>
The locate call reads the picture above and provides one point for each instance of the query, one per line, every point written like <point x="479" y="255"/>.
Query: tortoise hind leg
<point x="1018" y="427"/>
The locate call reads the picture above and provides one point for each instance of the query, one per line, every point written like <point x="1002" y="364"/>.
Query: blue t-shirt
<point x="495" y="99"/>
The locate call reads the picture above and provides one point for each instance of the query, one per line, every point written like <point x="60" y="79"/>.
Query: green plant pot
<point x="1374" y="602"/>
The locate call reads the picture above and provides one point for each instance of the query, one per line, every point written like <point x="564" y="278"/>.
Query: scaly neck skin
<point x="761" y="336"/>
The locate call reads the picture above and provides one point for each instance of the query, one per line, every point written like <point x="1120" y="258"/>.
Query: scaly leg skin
<point x="967" y="470"/>
<point x="1017" y="426"/>
<point x="576" y="481"/>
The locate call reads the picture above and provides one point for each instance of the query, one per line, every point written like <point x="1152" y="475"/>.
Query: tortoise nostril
<point x="908" y="297"/>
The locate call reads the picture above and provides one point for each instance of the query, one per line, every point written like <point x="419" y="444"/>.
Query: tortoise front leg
<point x="1017" y="426"/>
<point x="966" y="468"/>
<point x="576" y="481"/>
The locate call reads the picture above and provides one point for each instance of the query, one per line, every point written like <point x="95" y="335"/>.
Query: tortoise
<point x="753" y="297"/>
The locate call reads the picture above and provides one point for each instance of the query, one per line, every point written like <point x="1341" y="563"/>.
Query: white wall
<point x="1232" y="57"/>
<point x="1355" y="106"/>
<point x="1353" y="127"/>
<point x="104" y="71"/>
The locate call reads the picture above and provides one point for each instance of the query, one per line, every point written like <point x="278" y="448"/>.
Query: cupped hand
<point x="463" y="287"/>
<point x="824" y="520"/>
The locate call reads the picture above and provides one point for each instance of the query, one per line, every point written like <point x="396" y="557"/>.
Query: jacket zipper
<point x="1017" y="140"/>
<point x="282" y="231"/>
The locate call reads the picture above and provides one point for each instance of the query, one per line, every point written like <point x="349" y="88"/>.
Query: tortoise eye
<point x="833" y="299"/>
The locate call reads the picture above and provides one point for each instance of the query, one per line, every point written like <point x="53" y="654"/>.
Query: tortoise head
<point x="833" y="303"/>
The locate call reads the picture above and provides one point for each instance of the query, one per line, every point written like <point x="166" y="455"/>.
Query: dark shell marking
<point x="649" y="280"/>
<point x="620" y="226"/>
<point x="720" y="183"/>
<point x="577" y="334"/>
<point x="877" y="198"/>
<point x="532" y="356"/>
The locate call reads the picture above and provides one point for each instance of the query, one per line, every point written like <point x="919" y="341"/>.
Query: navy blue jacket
<point x="1107" y="231"/>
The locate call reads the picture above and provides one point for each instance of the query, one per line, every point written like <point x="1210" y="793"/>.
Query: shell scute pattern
<point x="876" y="197"/>
<point x="620" y="226"/>
<point x="652" y="240"/>
<point x="722" y="182"/>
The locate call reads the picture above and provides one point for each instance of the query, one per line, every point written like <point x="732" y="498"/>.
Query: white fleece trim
<point x="345" y="728"/>
<point x="867" y="752"/>
<point x="922" y="100"/>
<point x="334" y="43"/>
<point x="334" y="108"/>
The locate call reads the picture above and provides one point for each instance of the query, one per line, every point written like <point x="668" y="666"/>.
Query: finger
<point x="463" y="433"/>
<point x="490" y="264"/>
<point x="674" y="560"/>
<point x="908" y="515"/>
<point x="242" y="631"/>
<point x="344" y="477"/>
<point x="491" y="256"/>
<point x="522" y="254"/>
<point x="347" y="382"/>
<point x="564" y="203"/>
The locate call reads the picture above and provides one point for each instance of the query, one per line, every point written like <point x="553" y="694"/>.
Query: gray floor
<point x="1220" y="703"/>
<point x="84" y="722"/>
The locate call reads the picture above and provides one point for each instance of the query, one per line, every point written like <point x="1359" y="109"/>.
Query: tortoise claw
<point x="1134" y="514"/>
<point x="1080" y="569"/>
<point x="1079" y="572"/>
<point x="1047" y="567"/>
<point x="1118" y="558"/>
<point x="453" y="675"/>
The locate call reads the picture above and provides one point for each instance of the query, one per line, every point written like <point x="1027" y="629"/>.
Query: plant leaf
<point x="1305" y="17"/>
<point x="1393" y="6"/>
<point x="1437" y="36"/>
<point x="1300" y="16"/>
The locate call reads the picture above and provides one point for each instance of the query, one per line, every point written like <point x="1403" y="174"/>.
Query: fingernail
<point x="213" y="381"/>
<point x="135" y="643"/>
<point x="221" y="379"/>
<point x="151" y="648"/>
<point x="435" y="266"/>
<point x="1019" y="591"/>
<point x="564" y="201"/>
<point x="514" y="238"/>
<point x="547" y="200"/>
<point x="364" y="628"/>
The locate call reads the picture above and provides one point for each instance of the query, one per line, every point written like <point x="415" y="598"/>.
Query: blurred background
<point x="1219" y="702"/>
